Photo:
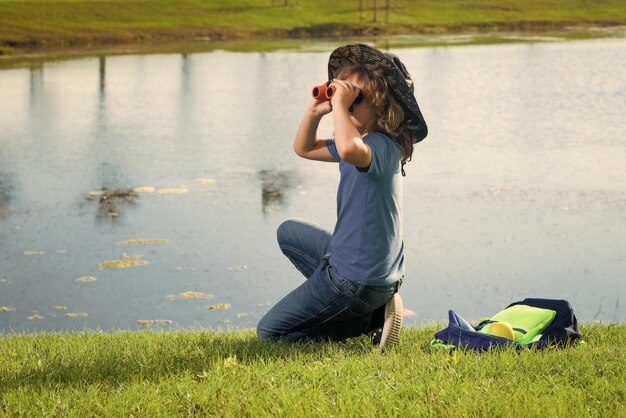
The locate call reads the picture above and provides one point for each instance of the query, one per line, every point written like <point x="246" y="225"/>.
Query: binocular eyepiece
<point x="324" y="92"/>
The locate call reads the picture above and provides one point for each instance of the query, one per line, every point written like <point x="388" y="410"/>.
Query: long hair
<point x="389" y="116"/>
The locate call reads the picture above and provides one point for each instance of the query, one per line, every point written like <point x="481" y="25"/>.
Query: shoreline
<point x="175" y="43"/>
<point x="79" y="27"/>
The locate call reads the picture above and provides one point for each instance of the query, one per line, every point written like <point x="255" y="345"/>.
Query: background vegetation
<point x="71" y="23"/>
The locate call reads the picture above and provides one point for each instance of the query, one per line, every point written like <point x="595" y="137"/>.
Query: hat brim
<point x="398" y="78"/>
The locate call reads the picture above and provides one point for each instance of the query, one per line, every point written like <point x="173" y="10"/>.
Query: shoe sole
<point x="393" y="322"/>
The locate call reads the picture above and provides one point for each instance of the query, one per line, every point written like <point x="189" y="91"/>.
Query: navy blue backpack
<point x="560" y="329"/>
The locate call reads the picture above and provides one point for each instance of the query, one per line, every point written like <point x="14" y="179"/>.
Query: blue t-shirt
<point x="366" y="245"/>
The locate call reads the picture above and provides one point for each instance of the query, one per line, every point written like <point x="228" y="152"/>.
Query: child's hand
<point x="345" y="94"/>
<point x="320" y="108"/>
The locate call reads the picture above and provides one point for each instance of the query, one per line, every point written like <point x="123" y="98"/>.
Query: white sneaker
<point x="393" y="322"/>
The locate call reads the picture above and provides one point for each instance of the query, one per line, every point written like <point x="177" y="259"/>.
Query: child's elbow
<point x="345" y="155"/>
<point x="355" y="155"/>
<point x="299" y="151"/>
<point x="349" y="153"/>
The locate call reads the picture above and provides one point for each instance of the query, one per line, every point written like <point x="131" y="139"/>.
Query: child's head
<point x="389" y="116"/>
<point x="388" y="87"/>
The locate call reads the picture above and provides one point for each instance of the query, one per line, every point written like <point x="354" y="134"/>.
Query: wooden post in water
<point x="360" y="11"/>
<point x="374" y="10"/>
<point x="387" y="11"/>
<point x="102" y="74"/>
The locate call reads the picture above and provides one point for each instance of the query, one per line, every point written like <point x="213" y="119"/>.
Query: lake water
<point x="518" y="191"/>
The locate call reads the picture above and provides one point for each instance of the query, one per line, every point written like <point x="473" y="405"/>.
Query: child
<point x="354" y="273"/>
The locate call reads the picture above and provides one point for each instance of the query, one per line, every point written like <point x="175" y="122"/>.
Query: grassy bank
<point x="27" y="25"/>
<point x="232" y="374"/>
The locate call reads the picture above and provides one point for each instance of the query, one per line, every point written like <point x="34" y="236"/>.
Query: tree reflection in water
<point x="109" y="200"/>
<point x="6" y="187"/>
<point x="274" y="184"/>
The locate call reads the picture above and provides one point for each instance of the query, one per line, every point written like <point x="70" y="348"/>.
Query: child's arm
<point x="350" y="145"/>
<point x="306" y="143"/>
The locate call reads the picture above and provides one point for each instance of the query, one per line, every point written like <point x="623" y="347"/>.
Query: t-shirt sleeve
<point x="332" y="147"/>
<point x="383" y="154"/>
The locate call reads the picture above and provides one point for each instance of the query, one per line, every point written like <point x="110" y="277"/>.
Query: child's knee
<point x="264" y="334"/>
<point x="282" y="228"/>
<point x="286" y="229"/>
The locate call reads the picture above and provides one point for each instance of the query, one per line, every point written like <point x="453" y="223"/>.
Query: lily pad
<point x="194" y="295"/>
<point x="144" y="241"/>
<point x="122" y="263"/>
<point x="86" y="279"/>
<point x="132" y="257"/>
<point x="144" y="189"/>
<point x="219" y="306"/>
<point x="76" y="315"/>
<point x="7" y="309"/>
<point x="149" y="322"/>
<point x="497" y="190"/>
<point x="206" y="181"/>
<point x="175" y="190"/>
<point x="237" y="267"/>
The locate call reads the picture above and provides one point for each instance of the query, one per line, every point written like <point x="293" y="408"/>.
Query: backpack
<point x="531" y="322"/>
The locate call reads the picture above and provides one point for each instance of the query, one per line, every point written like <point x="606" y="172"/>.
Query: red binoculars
<point x="324" y="92"/>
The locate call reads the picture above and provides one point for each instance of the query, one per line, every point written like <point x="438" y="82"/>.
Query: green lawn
<point x="233" y="374"/>
<point x="69" y="23"/>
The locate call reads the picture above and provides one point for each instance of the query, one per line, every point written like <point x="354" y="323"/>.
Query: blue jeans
<point x="326" y="305"/>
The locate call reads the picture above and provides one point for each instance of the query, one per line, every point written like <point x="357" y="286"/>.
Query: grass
<point x="28" y="24"/>
<point x="231" y="373"/>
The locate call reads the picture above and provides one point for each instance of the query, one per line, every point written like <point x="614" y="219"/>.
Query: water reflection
<point x="38" y="100"/>
<point x="537" y="211"/>
<point x="102" y="77"/>
<point x="6" y="190"/>
<point x="274" y="185"/>
<point x="36" y="82"/>
<point x="110" y="201"/>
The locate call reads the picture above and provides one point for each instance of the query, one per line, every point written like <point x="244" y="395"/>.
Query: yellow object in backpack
<point x="525" y="322"/>
<point x="500" y="329"/>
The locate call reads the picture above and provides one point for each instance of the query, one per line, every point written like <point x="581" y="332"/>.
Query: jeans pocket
<point x="372" y="296"/>
<point x="336" y="281"/>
